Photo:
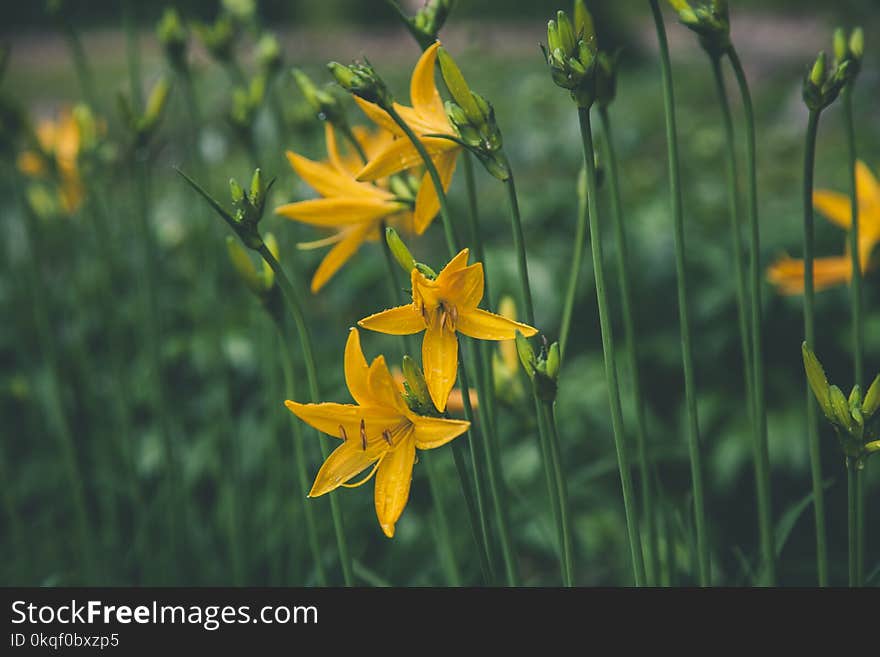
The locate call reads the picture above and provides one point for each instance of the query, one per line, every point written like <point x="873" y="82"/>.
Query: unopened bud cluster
<point x="428" y="21"/>
<point x="855" y="418"/>
<point x="824" y="82"/>
<point x="542" y="367"/>
<point x="143" y="126"/>
<point x="710" y="19"/>
<point x="571" y="55"/>
<point x="362" y="80"/>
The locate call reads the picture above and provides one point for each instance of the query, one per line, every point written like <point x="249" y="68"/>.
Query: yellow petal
<point x="835" y="206"/>
<point x="400" y="155"/>
<point x="483" y="325"/>
<point x="787" y="274"/>
<point x="356" y="369"/>
<point x="403" y="320"/>
<point x="344" y="420"/>
<point x="464" y="287"/>
<point x="385" y="392"/>
<point x="868" y="190"/>
<point x="346" y="461"/>
<point x="440" y="362"/>
<point x="431" y="432"/>
<point x="378" y="116"/>
<point x="327" y="180"/>
<point x="331" y="212"/>
<point x="393" y="482"/>
<point x="339" y="255"/>
<point x="457" y="263"/>
<point x="31" y="164"/>
<point x="423" y="88"/>
<point x="427" y="203"/>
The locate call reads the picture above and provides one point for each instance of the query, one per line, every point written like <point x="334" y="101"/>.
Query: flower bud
<point x="268" y="54"/>
<point x="553" y="361"/>
<point x="583" y="21"/>
<point x="218" y="38"/>
<point x="241" y="10"/>
<point x="243" y="265"/>
<point x="156" y="102"/>
<point x="427" y="23"/>
<point x="458" y="87"/>
<point x="817" y="72"/>
<point x="871" y="403"/>
<point x="817" y="380"/>
<point x="235" y="191"/>
<point x="571" y="57"/>
<point x="415" y="385"/>
<point x="174" y="37"/>
<point x="399" y="250"/>
<point x="526" y="354"/>
<point x="362" y="81"/>
<point x="857" y="43"/>
<point x="840" y="46"/>
<point x="323" y="103"/>
<point x="840" y="408"/>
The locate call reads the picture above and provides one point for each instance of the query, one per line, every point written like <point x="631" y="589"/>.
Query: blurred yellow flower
<point x="59" y="144"/>
<point x="425" y="117"/>
<point x="353" y="210"/>
<point x="787" y="274"/>
<point x="379" y="430"/>
<point x="441" y="307"/>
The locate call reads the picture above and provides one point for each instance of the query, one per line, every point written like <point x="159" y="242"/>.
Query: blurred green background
<point x="242" y="520"/>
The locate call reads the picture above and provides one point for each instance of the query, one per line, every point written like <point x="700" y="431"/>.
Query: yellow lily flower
<point x="442" y="307"/>
<point x="379" y="430"/>
<point x="787" y="273"/>
<point x="425" y="117"/>
<point x="60" y="141"/>
<point x="354" y="210"/>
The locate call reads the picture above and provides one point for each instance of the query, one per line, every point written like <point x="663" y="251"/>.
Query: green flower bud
<point x="871" y="403"/>
<point x="840" y="408"/>
<point x="857" y="43"/>
<point x="242" y="10"/>
<point x="840" y="46"/>
<point x="415" y="384"/>
<point x="323" y="103"/>
<point x="553" y="42"/>
<point x="458" y="87"/>
<point x="174" y="37"/>
<point x="583" y="21"/>
<point x="553" y="361"/>
<point x="156" y="102"/>
<point x="817" y="380"/>
<point x="399" y="250"/>
<point x="235" y="191"/>
<point x="855" y="398"/>
<point x="526" y="354"/>
<point x="218" y="38"/>
<point x="427" y="23"/>
<point x="817" y="72"/>
<point x="269" y="53"/>
<point x="567" y="41"/>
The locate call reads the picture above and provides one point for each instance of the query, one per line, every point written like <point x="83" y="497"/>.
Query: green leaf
<point x="789" y="519"/>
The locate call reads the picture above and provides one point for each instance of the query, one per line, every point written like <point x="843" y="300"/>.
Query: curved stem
<point x="631" y="345"/>
<point x="762" y="463"/>
<point x="295" y="306"/>
<point x="858" y="326"/>
<point x="810" y="337"/>
<point x="703" y="559"/>
<point x="629" y="503"/>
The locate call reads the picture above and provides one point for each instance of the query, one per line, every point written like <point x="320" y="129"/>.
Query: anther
<point x="363" y="435"/>
<point x="387" y="436"/>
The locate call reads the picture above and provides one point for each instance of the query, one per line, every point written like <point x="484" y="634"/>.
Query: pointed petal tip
<point x="388" y="530"/>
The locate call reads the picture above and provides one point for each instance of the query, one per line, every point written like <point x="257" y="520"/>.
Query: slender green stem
<point x="446" y="216"/>
<point x="66" y="442"/>
<point x="574" y="272"/>
<point x="520" y="248"/>
<point x="445" y="545"/>
<point x="861" y="502"/>
<point x="858" y="326"/>
<point x="295" y="307"/>
<point x="762" y="463"/>
<point x="810" y="337"/>
<point x="631" y="344"/>
<point x="629" y="502"/>
<point x="349" y="135"/>
<point x="458" y="456"/>
<point x="133" y="53"/>
<point x="562" y="492"/>
<point x="81" y="63"/>
<point x="476" y="462"/>
<point x="300" y="456"/>
<point x="852" y="495"/>
<point x="693" y="427"/>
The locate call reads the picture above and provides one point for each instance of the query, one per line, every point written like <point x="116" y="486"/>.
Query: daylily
<point x="379" y="430"/>
<point x="425" y="117"/>
<point x="354" y="210"/>
<point x="787" y="274"/>
<point x="59" y="145"/>
<point x="442" y="307"/>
